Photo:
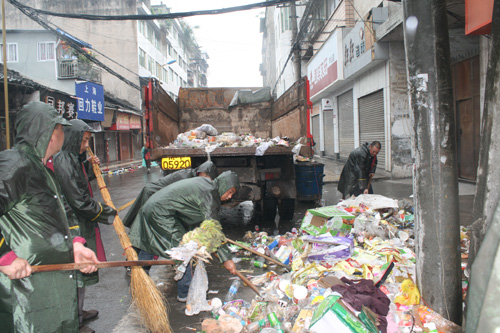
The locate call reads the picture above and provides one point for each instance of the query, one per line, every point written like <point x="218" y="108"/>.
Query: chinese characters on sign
<point x="354" y="44"/>
<point x="90" y="103"/>
<point x="352" y="51"/>
<point x="322" y="69"/>
<point x="64" y="105"/>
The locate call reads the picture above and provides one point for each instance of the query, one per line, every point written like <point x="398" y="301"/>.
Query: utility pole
<point x="5" y="80"/>
<point x="295" y="42"/>
<point x="435" y="181"/>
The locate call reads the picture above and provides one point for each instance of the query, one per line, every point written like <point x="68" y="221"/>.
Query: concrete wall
<point x="115" y="39"/>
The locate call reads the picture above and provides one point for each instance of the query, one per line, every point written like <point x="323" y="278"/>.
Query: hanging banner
<point x="90" y="100"/>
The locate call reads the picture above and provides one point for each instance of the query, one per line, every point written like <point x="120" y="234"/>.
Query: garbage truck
<point x="267" y="176"/>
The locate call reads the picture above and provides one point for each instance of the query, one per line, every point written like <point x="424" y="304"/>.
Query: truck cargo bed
<point x="158" y="153"/>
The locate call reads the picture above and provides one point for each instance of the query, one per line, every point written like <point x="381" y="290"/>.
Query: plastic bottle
<point x="273" y="320"/>
<point x="233" y="290"/>
<point x="257" y="325"/>
<point x="257" y="263"/>
<point x="237" y="316"/>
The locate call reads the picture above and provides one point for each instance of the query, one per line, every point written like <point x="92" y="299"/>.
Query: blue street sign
<point x="90" y="100"/>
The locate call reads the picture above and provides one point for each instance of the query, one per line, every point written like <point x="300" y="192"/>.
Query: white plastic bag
<point x="197" y="295"/>
<point x="207" y="128"/>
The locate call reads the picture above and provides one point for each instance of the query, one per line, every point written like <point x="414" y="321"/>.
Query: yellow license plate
<point x="175" y="163"/>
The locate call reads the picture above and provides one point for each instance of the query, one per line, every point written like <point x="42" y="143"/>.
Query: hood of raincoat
<point x="209" y="168"/>
<point x="226" y="180"/>
<point x="73" y="135"/>
<point x="34" y="126"/>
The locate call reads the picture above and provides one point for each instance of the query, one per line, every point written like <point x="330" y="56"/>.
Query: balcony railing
<point x="74" y="69"/>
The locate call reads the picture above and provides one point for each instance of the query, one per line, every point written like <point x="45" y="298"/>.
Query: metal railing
<point x="74" y="69"/>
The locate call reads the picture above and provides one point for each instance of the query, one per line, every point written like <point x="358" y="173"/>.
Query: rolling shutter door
<point x="371" y="122"/>
<point x="346" y="124"/>
<point x="328" y="130"/>
<point x="315" y="133"/>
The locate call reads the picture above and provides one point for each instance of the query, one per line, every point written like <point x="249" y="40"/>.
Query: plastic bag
<point x="228" y="139"/>
<point x="197" y="294"/>
<point x="207" y="128"/>
<point x="262" y="148"/>
<point x="184" y="252"/>
<point x="409" y="294"/>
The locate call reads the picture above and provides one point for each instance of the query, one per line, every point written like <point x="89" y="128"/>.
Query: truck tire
<point x="286" y="209"/>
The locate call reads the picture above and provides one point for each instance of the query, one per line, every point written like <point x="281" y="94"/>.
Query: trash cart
<point x="309" y="180"/>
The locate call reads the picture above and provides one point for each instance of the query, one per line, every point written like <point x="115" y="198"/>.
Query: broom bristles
<point x="150" y="302"/>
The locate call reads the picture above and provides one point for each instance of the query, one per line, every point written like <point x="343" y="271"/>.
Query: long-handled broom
<point x="150" y="302"/>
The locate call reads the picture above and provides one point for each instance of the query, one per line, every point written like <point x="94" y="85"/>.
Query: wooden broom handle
<point x="247" y="282"/>
<point x="104" y="264"/>
<point x="259" y="254"/>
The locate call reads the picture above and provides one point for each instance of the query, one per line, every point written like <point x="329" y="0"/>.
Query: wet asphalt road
<point x="111" y="295"/>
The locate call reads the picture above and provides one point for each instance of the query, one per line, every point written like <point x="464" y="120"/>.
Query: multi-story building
<point x="352" y="52"/>
<point x="50" y="52"/>
<point x="109" y="56"/>
<point x="168" y="51"/>
<point x="279" y="33"/>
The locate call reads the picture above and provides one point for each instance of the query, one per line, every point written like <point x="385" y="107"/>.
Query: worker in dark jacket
<point x="178" y="208"/>
<point x="207" y="169"/>
<point x="35" y="230"/>
<point x="71" y="171"/>
<point x="358" y="169"/>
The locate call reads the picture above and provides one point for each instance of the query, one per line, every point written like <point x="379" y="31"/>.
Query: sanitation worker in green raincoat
<point x="35" y="230"/>
<point x="70" y="166"/>
<point x="177" y="209"/>
<point x="207" y="169"/>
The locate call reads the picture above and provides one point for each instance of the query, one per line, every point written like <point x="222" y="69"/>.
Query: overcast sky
<point x="233" y="41"/>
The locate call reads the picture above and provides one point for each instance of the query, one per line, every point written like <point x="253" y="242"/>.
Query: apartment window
<point x="141" y="27"/>
<point x="12" y="55"/>
<point x="142" y="57"/>
<point x="151" y="64"/>
<point x="164" y="75"/>
<point x="171" y="74"/>
<point x="157" y="42"/>
<point x="46" y="51"/>
<point x="285" y="19"/>
<point x="151" y="35"/>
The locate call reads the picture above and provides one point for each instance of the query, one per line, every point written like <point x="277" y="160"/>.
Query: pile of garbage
<point x="350" y="266"/>
<point x="207" y="136"/>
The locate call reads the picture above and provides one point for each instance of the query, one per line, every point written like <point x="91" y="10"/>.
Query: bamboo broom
<point x="105" y="264"/>
<point x="150" y="302"/>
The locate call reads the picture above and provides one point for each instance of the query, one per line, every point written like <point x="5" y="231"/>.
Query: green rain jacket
<point x="356" y="171"/>
<point x="151" y="188"/>
<point x="178" y="208"/>
<point x="34" y="225"/>
<point x="70" y="172"/>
